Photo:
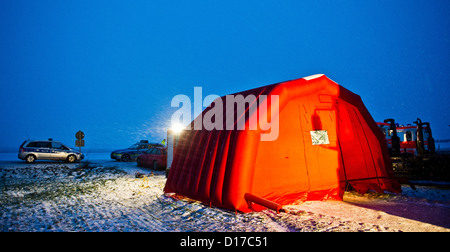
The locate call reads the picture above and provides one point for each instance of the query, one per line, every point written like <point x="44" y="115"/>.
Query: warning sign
<point x="319" y="137"/>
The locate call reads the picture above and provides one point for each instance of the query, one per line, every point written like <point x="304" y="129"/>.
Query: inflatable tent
<point x="325" y="141"/>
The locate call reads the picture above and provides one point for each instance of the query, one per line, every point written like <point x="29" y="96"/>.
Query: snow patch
<point x="105" y="195"/>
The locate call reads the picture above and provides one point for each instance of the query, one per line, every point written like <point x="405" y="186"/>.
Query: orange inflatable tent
<point x="326" y="141"/>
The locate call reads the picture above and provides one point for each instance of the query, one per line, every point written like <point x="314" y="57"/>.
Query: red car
<point x="155" y="158"/>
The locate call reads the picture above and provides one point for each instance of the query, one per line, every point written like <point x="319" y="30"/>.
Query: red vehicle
<point x="389" y="130"/>
<point x="411" y="140"/>
<point x="155" y="158"/>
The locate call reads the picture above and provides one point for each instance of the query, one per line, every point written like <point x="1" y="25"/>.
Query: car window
<point x="138" y="146"/>
<point x="160" y="151"/>
<point x="43" y="144"/>
<point x="31" y="144"/>
<point x="56" y="145"/>
<point x="134" y="147"/>
<point x="154" y="151"/>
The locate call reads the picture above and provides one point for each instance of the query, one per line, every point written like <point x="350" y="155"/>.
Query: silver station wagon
<point x="31" y="150"/>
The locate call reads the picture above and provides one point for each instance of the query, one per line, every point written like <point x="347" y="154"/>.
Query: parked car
<point x="32" y="150"/>
<point x="155" y="158"/>
<point x="132" y="152"/>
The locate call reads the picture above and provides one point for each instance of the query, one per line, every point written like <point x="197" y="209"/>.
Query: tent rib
<point x="370" y="149"/>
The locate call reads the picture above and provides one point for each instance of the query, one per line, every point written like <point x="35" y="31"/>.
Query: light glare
<point x="177" y="128"/>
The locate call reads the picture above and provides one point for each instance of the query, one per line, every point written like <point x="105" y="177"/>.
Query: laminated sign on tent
<point x="299" y="140"/>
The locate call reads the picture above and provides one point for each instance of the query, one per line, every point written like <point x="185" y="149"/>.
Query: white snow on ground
<point x="105" y="195"/>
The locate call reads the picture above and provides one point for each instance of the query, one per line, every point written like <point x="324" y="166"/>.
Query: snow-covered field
<point x="105" y="195"/>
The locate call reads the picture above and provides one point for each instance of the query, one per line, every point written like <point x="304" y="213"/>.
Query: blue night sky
<point x="111" y="68"/>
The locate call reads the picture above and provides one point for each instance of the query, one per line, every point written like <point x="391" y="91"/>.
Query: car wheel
<point x="155" y="165"/>
<point x="138" y="161"/>
<point x="71" y="158"/>
<point x="125" y="158"/>
<point x="30" y="159"/>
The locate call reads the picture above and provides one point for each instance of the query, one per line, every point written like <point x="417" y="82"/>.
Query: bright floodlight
<point x="177" y="128"/>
